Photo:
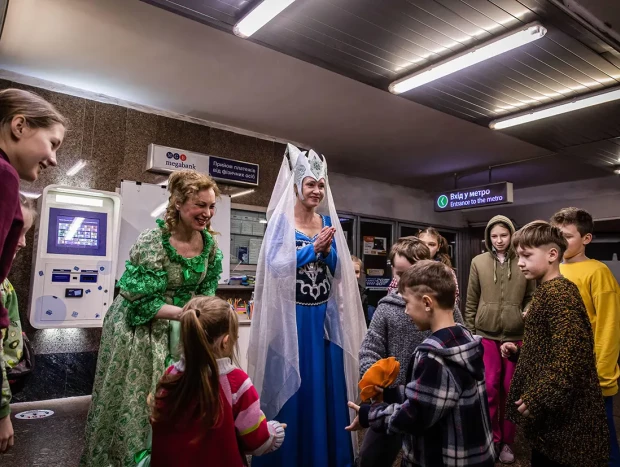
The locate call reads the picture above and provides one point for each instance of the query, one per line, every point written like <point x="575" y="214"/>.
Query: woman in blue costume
<point x="308" y="322"/>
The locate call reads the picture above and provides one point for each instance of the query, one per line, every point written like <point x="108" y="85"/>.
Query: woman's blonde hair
<point x="37" y="112"/>
<point x="194" y="394"/>
<point x="182" y="184"/>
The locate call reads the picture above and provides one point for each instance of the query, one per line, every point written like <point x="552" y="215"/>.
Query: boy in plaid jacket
<point x="444" y="418"/>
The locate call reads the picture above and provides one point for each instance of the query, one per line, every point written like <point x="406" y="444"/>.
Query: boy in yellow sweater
<point x="601" y="295"/>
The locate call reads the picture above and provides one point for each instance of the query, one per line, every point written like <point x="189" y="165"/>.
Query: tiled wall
<point x="114" y="140"/>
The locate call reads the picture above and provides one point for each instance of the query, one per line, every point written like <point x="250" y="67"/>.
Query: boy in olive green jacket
<point x="497" y="296"/>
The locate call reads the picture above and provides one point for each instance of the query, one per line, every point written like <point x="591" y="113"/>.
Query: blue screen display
<point x="77" y="232"/>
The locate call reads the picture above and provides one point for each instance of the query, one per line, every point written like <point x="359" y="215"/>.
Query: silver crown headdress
<point x="305" y="164"/>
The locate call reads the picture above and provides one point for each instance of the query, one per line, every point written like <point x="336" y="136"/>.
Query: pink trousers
<point x="498" y="373"/>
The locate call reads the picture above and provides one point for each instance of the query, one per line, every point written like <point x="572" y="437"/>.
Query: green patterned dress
<point x="135" y="347"/>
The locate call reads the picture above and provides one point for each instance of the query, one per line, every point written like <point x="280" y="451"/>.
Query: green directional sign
<point x="475" y="197"/>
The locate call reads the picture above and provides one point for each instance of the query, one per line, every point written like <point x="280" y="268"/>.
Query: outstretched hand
<point x="355" y="426"/>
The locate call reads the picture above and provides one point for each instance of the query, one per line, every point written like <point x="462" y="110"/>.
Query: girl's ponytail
<point x="194" y="392"/>
<point x="443" y="253"/>
<point x="201" y="372"/>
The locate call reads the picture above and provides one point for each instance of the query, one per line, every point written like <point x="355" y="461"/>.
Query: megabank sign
<point x="174" y="161"/>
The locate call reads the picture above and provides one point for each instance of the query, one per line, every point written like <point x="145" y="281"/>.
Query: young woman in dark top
<point x="31" y="130"/>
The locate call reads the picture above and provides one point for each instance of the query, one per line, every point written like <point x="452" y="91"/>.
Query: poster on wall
<point x="242" y="255"/>
<point x="375" y="246"/>
<point x="373" y="282"/>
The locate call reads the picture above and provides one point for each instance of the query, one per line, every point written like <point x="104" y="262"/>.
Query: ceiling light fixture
<point x="79" y="165"/>
<point x="504" y="43"/>
<point x="30" y="195"/>
<point x="617" y="171"/>
<point x="241" y="193"/>
<point x="556" y="109"/>
<point x="259" y="16"/>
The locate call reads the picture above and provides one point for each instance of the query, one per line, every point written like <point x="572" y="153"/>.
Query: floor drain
<point x="34" y="414"/>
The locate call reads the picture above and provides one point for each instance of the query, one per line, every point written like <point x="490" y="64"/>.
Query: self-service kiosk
<point x="74" y="261"/>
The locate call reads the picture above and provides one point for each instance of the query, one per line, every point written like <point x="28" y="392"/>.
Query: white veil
<point x="273" y="356"/>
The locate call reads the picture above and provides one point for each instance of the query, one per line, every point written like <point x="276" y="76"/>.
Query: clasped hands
<point x="323" y="242"/>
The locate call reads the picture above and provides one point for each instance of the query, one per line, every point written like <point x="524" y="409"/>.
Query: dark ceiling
<point x="376" y="42"/>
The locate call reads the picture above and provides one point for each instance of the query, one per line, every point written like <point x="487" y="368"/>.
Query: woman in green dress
<point x="167" y="266"/>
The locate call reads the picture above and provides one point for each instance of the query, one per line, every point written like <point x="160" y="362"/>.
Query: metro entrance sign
<point x="477" y="197"/>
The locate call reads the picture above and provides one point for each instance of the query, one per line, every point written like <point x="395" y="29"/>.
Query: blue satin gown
<point x="317" y="414"/>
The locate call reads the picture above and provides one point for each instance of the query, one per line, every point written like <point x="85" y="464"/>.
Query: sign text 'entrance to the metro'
<point x="477" y="197"/>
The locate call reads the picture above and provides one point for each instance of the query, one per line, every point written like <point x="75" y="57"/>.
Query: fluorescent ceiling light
<point x="27" y="194"/>
<point x="159" y="209"/>
<point x="617" y="171"/>
<point x="262" y="221"/>
<point x="81" y="200"/>
<point x="494" y="47"/>
<point x="79" y="165"/>
<point x="241" y="193"/>
<point x="259" y="16"/>
<point x="570" y="106"/>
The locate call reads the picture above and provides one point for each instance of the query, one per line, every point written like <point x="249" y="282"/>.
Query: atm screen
<point x="80" y="232"/>
<point x="77" y="232"/>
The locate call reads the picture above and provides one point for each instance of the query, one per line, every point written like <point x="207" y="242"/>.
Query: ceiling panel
<point x="575" y="128"/>
<point x="377" y="42"/>
<point x="544" y="171"/>
<point x="601" y="153"/>
<point x="222" y="11"/>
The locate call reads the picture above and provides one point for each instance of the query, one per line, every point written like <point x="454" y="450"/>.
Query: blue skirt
<point x="317" y="414"/>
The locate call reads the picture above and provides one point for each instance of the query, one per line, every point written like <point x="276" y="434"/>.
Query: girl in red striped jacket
<point x="206" y="409"/>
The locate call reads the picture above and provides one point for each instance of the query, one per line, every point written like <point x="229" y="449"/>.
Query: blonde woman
<point x="167" y="266"/>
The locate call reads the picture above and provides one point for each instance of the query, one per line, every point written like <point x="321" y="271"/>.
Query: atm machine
<point x="74" y="261"/>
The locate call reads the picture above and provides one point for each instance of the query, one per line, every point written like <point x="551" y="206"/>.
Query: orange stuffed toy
<point x="383" y="373"/>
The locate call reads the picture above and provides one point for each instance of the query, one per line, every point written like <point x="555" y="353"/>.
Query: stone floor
<point x="57" y="441"/>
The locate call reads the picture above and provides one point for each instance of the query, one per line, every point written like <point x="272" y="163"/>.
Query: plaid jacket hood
<point x="444" y="418"/>
<point x="467" y="356"/>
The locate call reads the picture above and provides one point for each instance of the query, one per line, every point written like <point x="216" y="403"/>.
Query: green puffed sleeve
<point x="144" y="281"/>
<point x="214" y="271"/>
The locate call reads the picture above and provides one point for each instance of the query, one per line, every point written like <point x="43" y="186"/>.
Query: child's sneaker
<point x="506" y="456"/>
